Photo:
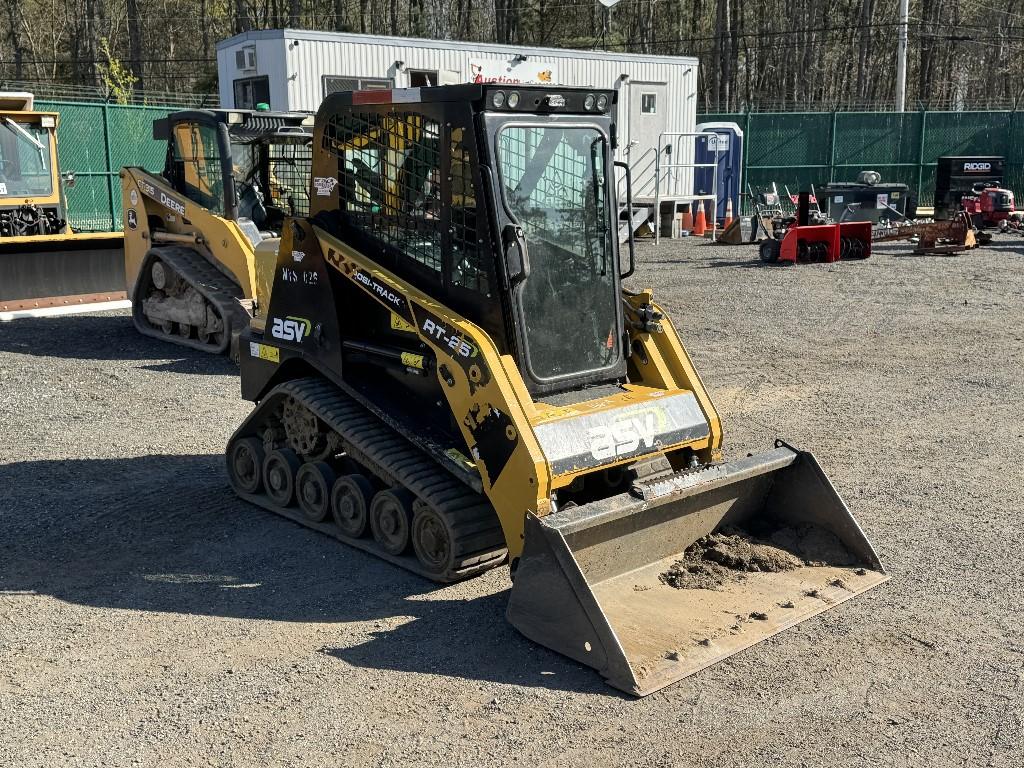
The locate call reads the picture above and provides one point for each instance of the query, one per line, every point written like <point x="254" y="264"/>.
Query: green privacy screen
<point x="94" y="141"/>
<point x="798" y="149"/>
<point x="794" y="149"/>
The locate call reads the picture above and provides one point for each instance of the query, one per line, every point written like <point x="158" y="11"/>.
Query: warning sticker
<point x="324" y="185"/>
<point x="264" y="352"/>
<point x="399" y="324"/>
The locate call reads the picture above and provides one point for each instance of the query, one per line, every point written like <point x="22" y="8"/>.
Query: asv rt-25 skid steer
<point x="449" y="373"/>
<point x="44" y="264"/>
<point x="230" y="179"/>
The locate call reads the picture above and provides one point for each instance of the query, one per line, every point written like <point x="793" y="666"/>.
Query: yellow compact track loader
<point x="230" y="179"/>
<point x="43" y="263"/>
<point x="449" y="374"/>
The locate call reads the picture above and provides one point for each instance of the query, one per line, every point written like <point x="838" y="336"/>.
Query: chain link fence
<point x="94" y="141"/>
<point x="798" y="149"/>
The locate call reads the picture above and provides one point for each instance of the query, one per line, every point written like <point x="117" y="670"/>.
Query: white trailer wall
<point x="656" y="93"/>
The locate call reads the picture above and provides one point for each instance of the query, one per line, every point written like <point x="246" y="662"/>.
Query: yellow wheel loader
<point x="449" y="374"/>
<point x="43" y="263"/>
<point x="230" y="179"/>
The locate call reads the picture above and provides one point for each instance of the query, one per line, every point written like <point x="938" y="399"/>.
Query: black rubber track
<point x="219" y="291"/>
<point x="479" y="543"/>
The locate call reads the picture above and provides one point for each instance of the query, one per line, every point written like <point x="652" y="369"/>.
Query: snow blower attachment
<point x="450" y="375"/>
<point x="803" y="242"/>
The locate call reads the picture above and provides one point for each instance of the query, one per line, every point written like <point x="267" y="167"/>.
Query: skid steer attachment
<point x="595" y="582"/>
<point x="63" y="270"/>
<point x="43" y="264"/>
<point x="450" y="374"/>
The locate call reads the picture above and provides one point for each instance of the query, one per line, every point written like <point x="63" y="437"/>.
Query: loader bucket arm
<point x="589" y="584"/>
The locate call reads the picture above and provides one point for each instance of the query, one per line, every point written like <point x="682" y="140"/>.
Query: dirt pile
<point x="732" y="553"/>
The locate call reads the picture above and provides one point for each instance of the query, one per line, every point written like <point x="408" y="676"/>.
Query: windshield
<point x="553" y="181"/>
<point x="24" y="160"/>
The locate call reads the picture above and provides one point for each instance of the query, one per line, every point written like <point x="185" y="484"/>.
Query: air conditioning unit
<point x="245" y="59"/>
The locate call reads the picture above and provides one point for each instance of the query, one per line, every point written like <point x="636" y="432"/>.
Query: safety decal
<point x="264" y="352"/>
<point x="324" y="185"/>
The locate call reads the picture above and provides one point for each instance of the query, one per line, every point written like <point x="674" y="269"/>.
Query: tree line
<point x="755" y="55"/>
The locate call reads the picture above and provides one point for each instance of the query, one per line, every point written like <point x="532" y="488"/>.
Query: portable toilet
<point x="727" y="138"/>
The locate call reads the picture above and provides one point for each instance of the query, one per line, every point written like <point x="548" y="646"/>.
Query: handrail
<point x="658" y="166"/>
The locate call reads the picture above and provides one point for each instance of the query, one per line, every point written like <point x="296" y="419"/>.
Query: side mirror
<point x="69" y="179"/>
<point x="517" y="259"/>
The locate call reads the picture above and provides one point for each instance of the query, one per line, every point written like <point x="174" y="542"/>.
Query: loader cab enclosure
<point x="450" y="374"/>
<point x="44" y="264"/>
<point x="195" y="232"/>
<point x="499" y="200"/>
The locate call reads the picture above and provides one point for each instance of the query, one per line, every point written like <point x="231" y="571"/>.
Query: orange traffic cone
<point x="687" y="220"/>
<point x="728" y="213"/>
<point x="699" y="224"/>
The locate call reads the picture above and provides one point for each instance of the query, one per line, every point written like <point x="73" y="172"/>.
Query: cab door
<point x="199" y="165"/>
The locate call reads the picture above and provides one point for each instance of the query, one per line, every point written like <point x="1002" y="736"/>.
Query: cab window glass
<point x="24" y="160"/>
<point x="198" y="161"/>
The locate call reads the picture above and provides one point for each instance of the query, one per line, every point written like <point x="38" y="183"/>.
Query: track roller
<point x="391" y="519"/>
<point x="279" y="469"/>
<point x="432" y="540"/>
<point x="350" y="504"/>
<point x="245" y="464"/>
<point x="313" y="485"/>
<point x="312" y="454"/>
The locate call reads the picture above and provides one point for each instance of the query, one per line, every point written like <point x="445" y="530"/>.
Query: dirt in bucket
<point x="730" y="554"/>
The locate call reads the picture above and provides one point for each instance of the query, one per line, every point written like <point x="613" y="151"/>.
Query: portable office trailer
<point x="292" y="69"/>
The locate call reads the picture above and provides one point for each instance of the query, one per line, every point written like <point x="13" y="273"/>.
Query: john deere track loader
<point x="449" y="374"/>
<point x="43" y="263"/>
<point x="229" y="180"/>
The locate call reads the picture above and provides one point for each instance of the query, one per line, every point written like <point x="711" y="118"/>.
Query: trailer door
<point x="648" y="119"/>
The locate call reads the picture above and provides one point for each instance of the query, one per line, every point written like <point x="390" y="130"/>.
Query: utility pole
<point x="901" y="57"/>
<point x="607" y="20"/>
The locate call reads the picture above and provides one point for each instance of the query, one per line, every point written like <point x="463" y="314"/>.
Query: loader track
<point x="453" y="530"/>
<point x="218" y="291"/>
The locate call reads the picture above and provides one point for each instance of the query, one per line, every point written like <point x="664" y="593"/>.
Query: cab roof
<point x="560" y="99"/>
<point x="246" y="123"/>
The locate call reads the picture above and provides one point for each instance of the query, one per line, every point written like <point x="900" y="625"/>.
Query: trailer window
<point x="24" y="160"/>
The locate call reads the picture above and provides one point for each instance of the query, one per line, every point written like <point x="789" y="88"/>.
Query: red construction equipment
<point x="806" y="243"/>
<point x="988" y="206"/>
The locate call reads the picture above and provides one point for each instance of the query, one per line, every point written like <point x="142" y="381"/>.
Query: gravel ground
<point x="148" y="617"/>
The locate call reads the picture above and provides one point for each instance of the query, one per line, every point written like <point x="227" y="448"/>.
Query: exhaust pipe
<point x="656" y="584"/>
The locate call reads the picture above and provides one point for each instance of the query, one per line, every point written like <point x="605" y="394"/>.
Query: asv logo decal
<point x="290" y="329"/>
<point x="623" y="437"/>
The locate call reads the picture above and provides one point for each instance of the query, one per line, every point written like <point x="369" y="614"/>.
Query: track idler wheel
<point x="391" y="518"/>
<point x="350" y="504"/>
<point x="432" y="541"/>
<point x="313" y="485"/>
<point x="279" y="470"/>
<point x="245" y="465"/>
